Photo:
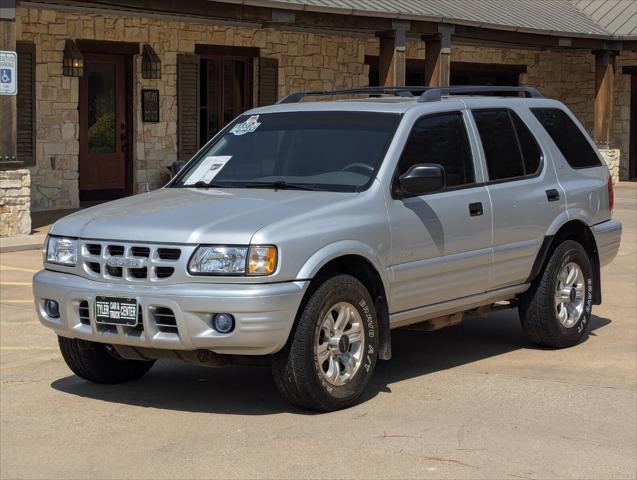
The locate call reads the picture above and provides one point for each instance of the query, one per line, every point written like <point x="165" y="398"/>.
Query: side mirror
<point x="422" y="178"/>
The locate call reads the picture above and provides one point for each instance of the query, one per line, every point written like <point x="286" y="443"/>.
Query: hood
<point x="183" y="215"/>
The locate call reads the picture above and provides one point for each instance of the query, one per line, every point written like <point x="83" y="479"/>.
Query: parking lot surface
<point x="471" y="401"/>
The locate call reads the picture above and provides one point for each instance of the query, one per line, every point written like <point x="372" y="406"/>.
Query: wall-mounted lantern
<point x="73" y="63"/>
<point x="151" y="65"/>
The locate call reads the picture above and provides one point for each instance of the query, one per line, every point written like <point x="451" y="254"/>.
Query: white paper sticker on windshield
<point x="249" y="126"/>
<point x="207" y="169"/>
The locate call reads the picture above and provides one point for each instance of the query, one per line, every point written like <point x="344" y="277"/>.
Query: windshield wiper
<point x="202" y="184"/>
<point x="282" y="185"/>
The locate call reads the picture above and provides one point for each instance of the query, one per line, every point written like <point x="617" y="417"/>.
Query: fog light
<point x="52" y="308"/>
<point x="223" y="322"/>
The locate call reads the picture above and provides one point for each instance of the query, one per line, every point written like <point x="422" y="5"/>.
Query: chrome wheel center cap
<point x="339" y="343"/>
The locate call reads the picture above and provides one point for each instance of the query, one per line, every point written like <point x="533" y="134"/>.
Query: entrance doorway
<point x="226" y="86"/>
<point x="104" y="163"/>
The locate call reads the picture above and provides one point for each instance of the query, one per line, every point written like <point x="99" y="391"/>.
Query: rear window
<point x="570" y="140"/>
<point x="510" y="149"/>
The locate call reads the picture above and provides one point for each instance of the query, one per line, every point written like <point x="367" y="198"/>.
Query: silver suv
<point x="304" y="232"/>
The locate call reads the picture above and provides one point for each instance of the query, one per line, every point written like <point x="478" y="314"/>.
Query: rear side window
<point x="510" y="149"/>
<point x="570" y="140"/>
<point x="440" y="139"/>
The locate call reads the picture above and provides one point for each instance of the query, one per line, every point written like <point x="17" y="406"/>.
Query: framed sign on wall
<point x="150" y="106"/>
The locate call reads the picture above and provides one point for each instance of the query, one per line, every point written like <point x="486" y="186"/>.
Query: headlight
<point x="228" y="260"/>
<point x="61" y="250"/>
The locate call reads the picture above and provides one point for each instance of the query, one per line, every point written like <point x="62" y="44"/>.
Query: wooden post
<point x="604" y="96"/>
<point x="438" y="57"/>
<point x="391" y="60"/>
<point x="8" y="127"/>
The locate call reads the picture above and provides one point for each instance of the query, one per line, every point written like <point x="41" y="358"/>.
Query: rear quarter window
<point x="570" y="140"/>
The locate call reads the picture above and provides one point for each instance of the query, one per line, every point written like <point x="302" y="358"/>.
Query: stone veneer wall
<point x="15" y="206"/>
<point x="612" y="157"/>
<point x="307" y="61"/>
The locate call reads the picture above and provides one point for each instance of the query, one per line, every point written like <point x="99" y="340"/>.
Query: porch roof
<point x="586" y="18"/>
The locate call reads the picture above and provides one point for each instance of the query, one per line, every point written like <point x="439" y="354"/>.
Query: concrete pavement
<point x="471" y="401"/>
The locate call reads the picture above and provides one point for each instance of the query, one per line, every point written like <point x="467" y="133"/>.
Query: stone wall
<point x="15" y="212"/>
<point x="307" y="61"/>
<point x="612" y="158"/>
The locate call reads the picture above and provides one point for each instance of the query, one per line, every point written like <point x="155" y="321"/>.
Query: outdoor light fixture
<point x="151" y="65"/>
<point x="73" y="63"/>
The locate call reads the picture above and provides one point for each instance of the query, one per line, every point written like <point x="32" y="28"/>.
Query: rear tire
<point x="556" y="310"/>
<point x="94" y="362"/>
<point x="331" y="355"/>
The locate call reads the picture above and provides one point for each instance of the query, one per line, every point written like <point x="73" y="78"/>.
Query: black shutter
<point x="187" y="106"/>
<point x="268" y="81"/>
<point x="25" y="100"/>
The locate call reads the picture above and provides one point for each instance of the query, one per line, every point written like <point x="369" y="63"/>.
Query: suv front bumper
<point x="264" y="313"/>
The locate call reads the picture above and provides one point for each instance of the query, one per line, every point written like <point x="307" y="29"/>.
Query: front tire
<point x="556" y="310"/>
<point x="332" y="353"/>
<point x="94" y="362"/>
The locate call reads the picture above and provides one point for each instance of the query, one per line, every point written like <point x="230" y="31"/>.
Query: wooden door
<point x="103" y="130"/>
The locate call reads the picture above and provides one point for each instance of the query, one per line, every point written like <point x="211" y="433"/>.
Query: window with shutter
<point x="268" y="81"/>
<point x="25" y="100"/>
<point x="188" y="106"/>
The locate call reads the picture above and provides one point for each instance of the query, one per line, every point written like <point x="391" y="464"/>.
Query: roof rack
<point x="406" y="91"/>
<point x="435" y="94"/>
<point x="426" y="94"/>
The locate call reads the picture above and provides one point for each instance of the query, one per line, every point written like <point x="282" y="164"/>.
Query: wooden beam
<point x="438" y="57"/>
<point x="391" y="61"/>
<point x="8" y="126"/>
<point x="604" y="96"/>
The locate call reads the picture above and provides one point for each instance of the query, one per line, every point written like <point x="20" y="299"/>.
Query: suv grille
<point x="129" y="262"/>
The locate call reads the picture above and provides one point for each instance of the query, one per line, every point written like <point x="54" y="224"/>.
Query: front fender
<point x="339" y="249"/>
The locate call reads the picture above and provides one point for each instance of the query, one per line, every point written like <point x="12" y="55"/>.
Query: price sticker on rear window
<point x="249" y="126"/>
<point x="208" y="169"/>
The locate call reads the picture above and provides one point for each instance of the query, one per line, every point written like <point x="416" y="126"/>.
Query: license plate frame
<point x="108" y="311"/>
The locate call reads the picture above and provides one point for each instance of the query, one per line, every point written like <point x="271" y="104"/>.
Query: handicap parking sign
<point x="8" y="68"/>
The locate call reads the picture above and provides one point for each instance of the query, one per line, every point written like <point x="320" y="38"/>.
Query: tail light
<point x="611" y="194"/>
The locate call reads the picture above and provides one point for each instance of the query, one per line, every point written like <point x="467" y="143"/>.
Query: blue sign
<point x="5" y="75"/>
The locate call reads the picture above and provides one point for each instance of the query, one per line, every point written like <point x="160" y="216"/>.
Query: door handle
<point x="123" y="141"/>
<point x="475" y="209"/>
<point x="552" y="195"/>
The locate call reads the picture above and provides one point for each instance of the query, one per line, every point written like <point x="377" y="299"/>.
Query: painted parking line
<point x="8" y="268"/>
<point x="13" y="348"/>
<point x="13" y="284"/>
<point x="16" y="301"/>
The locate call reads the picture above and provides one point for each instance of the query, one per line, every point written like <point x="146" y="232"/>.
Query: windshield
<point x="338" y="151"/>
